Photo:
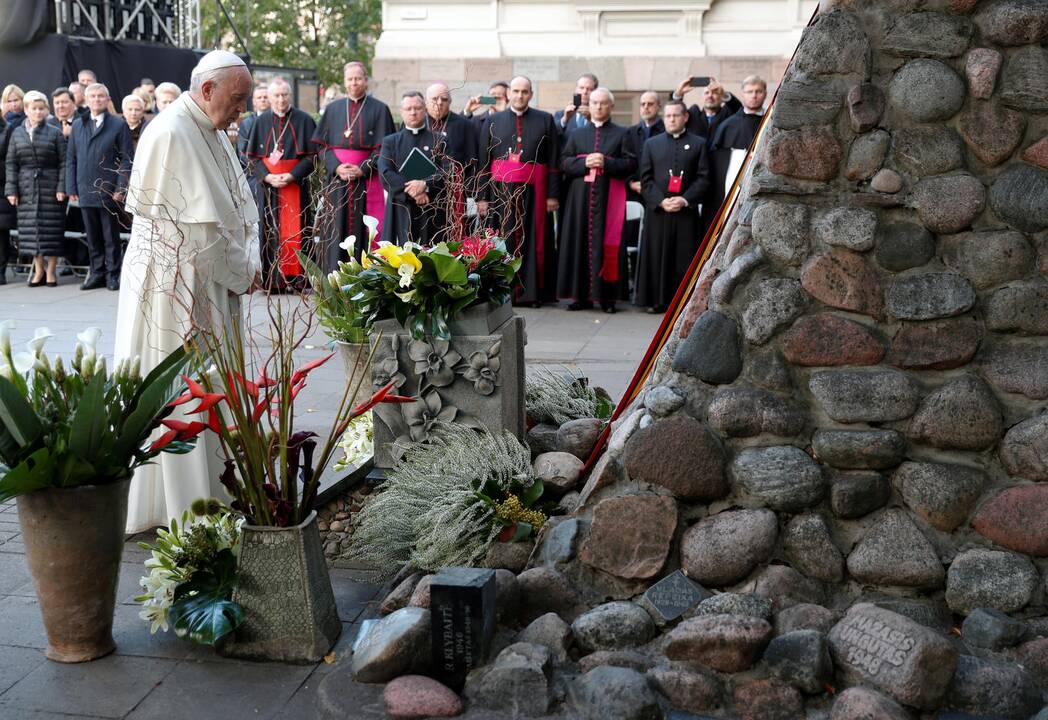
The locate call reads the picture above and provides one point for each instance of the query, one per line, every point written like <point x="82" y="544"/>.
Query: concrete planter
<point x="74" y="538"/>
<point x="474" y="379"/>
<point x="355" y="359"/>
<point x="285" y="591"/>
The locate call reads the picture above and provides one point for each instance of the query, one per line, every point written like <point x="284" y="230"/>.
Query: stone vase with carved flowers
<point x="474" y="379"/>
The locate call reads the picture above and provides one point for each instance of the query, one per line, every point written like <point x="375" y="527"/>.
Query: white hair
<point x="167" y="87"/>
<point x="611" y="95"/>
<point x="35" y="96"/>
<point x="133" y="98"/>
<point x="96" y="86"/>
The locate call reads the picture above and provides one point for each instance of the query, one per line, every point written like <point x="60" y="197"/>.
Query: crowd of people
<point x="555" y="186"/>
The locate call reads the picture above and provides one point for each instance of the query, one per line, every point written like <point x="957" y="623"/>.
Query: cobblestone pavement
<point x="160" y="676"/>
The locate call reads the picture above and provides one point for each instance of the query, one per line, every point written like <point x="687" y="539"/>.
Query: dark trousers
<point x="6" y="251"/>
<point x="103" y="241"/>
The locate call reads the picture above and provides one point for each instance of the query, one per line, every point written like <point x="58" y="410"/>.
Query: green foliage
<point x="557" y="398"/>
<point x="336" y="313"/>
<point x="321" y="35"/>
<point x="439" y="507"/>
<point x="202" y="609"/>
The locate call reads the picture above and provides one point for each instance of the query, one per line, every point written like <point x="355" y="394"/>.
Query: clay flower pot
<point x="74" y="538"/>
<point x="285" y="590"/>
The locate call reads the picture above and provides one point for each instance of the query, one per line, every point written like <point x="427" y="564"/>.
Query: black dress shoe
<point x="51" y="283"/>
<point x="577" y="305"/>
<point x="93" y="283"/>
<point x="657" y="310"/>
<point x="113" y="283"/>
<point x="35" y="283"/>
<point x="609" y="308"/>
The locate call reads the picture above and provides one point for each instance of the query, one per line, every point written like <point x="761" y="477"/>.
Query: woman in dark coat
<point x="7" y="210"/>
<point x="34" y="185"/>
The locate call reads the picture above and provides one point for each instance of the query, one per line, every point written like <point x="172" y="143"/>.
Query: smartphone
<point x="576" y="100"/>
<point x="487" y="99"/>
<point x="699" y="81"/>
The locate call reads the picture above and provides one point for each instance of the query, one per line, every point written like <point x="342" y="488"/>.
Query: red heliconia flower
<point x="301" y="373"/>
<point x="382" y="396"/>
<point x="177" y="431"/>
<point x="207" y="400"/>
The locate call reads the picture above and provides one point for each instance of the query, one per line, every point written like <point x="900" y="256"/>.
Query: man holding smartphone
<point x="577" y="113"/>
<point x="717" y="106"/>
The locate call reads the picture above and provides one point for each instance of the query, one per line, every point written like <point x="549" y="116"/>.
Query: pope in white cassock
<point x="193" y="252"/>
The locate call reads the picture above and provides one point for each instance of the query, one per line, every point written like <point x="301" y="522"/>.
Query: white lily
<point x="24" y="362"/>
<point x="5" y="335"/>
<point x="40" y="336"/>
<point x="407" y="296"/>
<point x="406" y="272"/>
<point x="7" y="372"/>
<point x="372" y="226"/>
<point x="89" y="339"/>
<point x="348" y="243"/>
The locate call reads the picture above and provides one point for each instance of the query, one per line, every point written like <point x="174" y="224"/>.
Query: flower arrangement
<point x="423" y="288"/>
<point x="82" y="425"/>
<point x="191" y="572"/>
<point x="357" y="443"/>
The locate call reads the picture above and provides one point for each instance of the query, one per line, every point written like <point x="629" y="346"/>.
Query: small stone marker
<point x="462" y="603"/>
<point x="672" y="596"/>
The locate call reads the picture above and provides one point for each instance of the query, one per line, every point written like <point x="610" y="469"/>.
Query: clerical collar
<point x="598" y="123"/>
<point x="518" y="113"/>
<point x="415" y="131"/>
<point x="753" y="112"/>
<point x="281" y="114"/>
<point x="677" y="136"/>
<point x="356" y="100"/>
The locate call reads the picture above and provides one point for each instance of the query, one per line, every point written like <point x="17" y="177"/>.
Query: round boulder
<point x="990" y="579"/>
<point x="630" y="536"/>
<point x="725" y="548"/>
<point x="681" y="455"/>
<point x="926" y="91"/>
<point x="613" y="626"/>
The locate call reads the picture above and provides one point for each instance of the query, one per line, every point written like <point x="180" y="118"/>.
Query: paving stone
<point x="746" y="412"/>
<point x="859" y="449"/>
<point x="992" y="629"/>
<point x="550" y="632"/>
<point x="398" y="644"/>
<point x="922" y="151"/>
<point x="1019" y="196"/>
<point x="903" y="245"/>
<point x="808" y="154"/>
<point x="802" y="659"/>
<point x="558" y="471"/>
<point x="782" y="230"/>
<point x="895" y="552"/>
<point x="908" y="661"/>
<point x="726" y="643"/>
<point x="611" y="693"/>
<point x="613" y="626"/>
<point x="942" y="494"/>
<point x="579" y="436"/>
<point x="961" y="415"/>
<point x="767" y="700"/>
<point x="865" y="106"/>
<point x="928" y="34"/>
<point x="826" y="339"/>
<point x="695" y="689"/>
<point x="784" y="586"/>
<point x="935" y="344"/>
<point x="926" y="91"/>
<point x="844" y="279"/>
<point x="835" y="45"/>
<point x="416" y="696"/>
<point x="999" y="689"/>
<point x="775" y="302"/>
<point x="879" y="395"/>
<point x="517" y="682"/>
<point x="855" y="494"/>
<point x="543" y="590"/>
<point x="991" y="131"/>
<point x="927" y="296"/>
<point x="1037" y="154"/>
<point x="724" y="548"/>
<point x="863" y="703"/>
<point x="784" y="477"/>
<point x="711" y="352"/>
<point x="804" y="616"/>
<point x="681" y="455"/>
<point x="1013" y="22"/>
<point x="990" y="579"/>
<point x="1017" y="366"/>
<point x="630" y="537"/>
<point x="866" y="155"/>
<point x="1021" y="307"/>
<point x="802" y="103"/>
<point x="887" y="181"/>
<point x="981" y="67"/>
<point x="810" y="549"/>
<point x="949" y="203"/>
<point x="730" y="603"/>
<point x="1017" y="518"/>
<point x="661" y="400"/>
<point x="1024" y="84"/>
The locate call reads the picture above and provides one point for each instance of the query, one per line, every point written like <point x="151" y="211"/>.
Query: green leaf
<point x="447" y="268"/>
<point x="17" y="417"/>
<point x="532" y="494"/>
<point x="33" y="473"/>
<point x="202" y="608"/>
<point x="89" y="421"/>
<point x="156" y="391"/>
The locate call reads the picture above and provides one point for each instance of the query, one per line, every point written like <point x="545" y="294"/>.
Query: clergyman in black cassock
<point x="674" y="175"/>
<point x="519" y="189"/>
<point x="735" y="133"/>
<point x="281" y="158"/>
<point x="455" y="151"/>
<point x="348" y="139"/>
<point x="649" y="126"/>
<point x="590" y="258"/>
<point x="406" y="219"/>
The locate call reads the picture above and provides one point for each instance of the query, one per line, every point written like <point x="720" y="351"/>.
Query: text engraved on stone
<point x="871" y="644"/>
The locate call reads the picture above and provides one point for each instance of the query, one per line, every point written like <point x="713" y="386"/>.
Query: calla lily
<point x="406" y="272"/>
<point x="409" y="258"/>
<point x="7" y="372"/>
<point x="372" y="225"/>
<point x="389" y="253"/>
<point x="348" y="243"/>
<point x="89" y="339"/>
<point x="5" y="335"/>
<point x="24" y="362"/>
<point x="40" y="336"/>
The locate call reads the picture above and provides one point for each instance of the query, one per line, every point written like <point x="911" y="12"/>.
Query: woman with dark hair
<point x="35" y="185"/>
<point x="7" y="210"/>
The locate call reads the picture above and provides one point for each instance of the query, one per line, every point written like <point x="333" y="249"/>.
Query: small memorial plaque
<point x="673" y="596"/>
<point x="462" y="611"/>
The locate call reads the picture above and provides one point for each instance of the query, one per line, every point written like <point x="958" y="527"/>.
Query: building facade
<point x="631" y="45"/>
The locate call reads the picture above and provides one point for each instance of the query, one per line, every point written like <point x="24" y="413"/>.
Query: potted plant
<point x="70" y="440"/>
<point x="272" y="472"/>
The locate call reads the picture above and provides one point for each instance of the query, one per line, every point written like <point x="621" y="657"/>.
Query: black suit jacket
<point x="98" y="160"/>
<point x="699" y="124"/>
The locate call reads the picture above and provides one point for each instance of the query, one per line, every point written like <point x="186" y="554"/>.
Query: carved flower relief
<point x="426" y="412"/>
<point x="434" y="360"/>
<point x="483" y="369"/>
<point x="386" y="370"/>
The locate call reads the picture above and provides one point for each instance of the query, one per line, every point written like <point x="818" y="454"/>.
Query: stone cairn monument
<point x="830" y="499"/>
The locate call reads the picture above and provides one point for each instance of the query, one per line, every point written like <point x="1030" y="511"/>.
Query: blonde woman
<point x="11" y="101"/>
<point x="35" y="184"/>
<point x="166" y="93"/>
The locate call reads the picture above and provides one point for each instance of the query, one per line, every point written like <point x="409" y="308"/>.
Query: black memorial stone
<point x="462" y="608"/>
<point x="673" y="596"/>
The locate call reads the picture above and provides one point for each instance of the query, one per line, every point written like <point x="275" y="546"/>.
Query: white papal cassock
<point x="193" y="250"/>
